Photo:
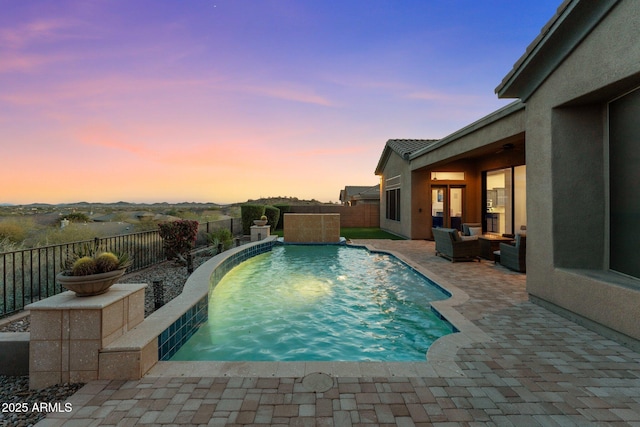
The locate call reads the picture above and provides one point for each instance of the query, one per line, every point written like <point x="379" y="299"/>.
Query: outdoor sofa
<point x="449" y="245"/>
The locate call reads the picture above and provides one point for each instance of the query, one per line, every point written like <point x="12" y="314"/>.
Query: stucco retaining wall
<point x="14" y="353"/>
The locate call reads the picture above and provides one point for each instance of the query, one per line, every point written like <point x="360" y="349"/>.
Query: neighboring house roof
<point x="368" y="193"/>
<point x="403" y="148"/>
<point x="360" y="191"/>
<point x="573" y="21"/>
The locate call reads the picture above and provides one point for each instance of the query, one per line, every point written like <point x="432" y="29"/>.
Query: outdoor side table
<point x="490" y="243"/>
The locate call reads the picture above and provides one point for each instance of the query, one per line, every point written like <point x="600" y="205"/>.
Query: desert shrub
<point x="187" y="214"/>
<point x="71" y="233"/>
<point x="8" y="245"/>
<point x="220" y="236"/>
<point x="273" y="215"/>
<point x="178" y="237"/>
<point x="12" y="230"/>
<point x="145" y="225"/>
<point x="78" y="217"/>
<point x="249" y="213"/>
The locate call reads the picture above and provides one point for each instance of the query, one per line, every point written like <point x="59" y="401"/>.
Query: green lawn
<point x="367" y="233"/>
<point x="360" y="233"/>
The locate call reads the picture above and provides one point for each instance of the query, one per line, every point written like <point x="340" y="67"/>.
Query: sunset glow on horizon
<point x="229" y="100"/>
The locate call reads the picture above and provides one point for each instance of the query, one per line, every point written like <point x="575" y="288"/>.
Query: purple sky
<point x="223" y="100"/>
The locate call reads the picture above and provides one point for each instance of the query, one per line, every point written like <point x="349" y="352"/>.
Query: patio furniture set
<point x="471" y="245"/>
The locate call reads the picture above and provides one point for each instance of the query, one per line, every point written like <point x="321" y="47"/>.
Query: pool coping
<point x="440" y="355"/>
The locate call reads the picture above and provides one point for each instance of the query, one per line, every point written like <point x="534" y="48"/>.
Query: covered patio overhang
<point x="500" y="131"/>
<point x="449" y="178"/>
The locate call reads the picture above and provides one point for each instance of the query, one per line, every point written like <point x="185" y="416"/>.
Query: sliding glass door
<point x="506" y="199"/>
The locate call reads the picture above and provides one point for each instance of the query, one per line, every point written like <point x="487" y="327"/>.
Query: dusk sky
<point x="229" y="100"/>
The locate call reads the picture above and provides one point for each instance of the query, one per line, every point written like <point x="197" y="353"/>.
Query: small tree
<point x="283" y="210"/>
<point x="179" y="237"/>
<point x="250" y="212"/>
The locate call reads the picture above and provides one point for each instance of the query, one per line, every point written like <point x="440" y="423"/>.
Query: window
<point x="447" y="176"/>
<point x="393" y="204"/>
<point x="624" y="184"/>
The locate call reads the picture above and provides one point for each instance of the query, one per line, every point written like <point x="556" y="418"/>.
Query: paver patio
<point x="536" y="369"/>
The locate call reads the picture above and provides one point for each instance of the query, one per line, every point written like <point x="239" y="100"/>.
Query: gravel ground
<point x="17" y="401"/>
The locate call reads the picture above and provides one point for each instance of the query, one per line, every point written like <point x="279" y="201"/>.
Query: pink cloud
<point x="159" y="145"/>
<point x="442" y="97"/>
<point x="336" y="151"/>
<point x="289" y="93"/>
<point x="43" y="32"/>
<point x="12" y="62"/>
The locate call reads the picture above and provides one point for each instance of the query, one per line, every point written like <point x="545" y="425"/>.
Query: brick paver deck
<point x="536" y="369"/>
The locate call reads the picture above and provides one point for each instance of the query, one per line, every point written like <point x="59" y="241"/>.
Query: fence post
<point x="158" y="294"/>
<point x="189" y="263"/>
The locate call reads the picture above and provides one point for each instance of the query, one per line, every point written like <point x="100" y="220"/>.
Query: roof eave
<point x="478" y="124"/>
<point x="574" y="20"/>
<point x="383" y="160"/>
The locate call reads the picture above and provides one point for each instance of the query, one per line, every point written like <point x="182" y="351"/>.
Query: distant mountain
<point x="84" y="205"/>
<point x="294" y="201"/>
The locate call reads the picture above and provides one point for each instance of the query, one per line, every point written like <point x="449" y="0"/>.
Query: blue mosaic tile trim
<point x="172" y="338"/>
<point x="444" y="319"/>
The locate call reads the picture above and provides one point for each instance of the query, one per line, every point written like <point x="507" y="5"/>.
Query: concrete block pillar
<point x="68" y="332"/>
<point x="260" y="232"/>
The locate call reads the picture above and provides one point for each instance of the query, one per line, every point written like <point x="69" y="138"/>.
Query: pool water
<point x="319" y="303"/>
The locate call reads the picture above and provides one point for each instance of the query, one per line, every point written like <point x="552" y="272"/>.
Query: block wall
<point x="311" y="228"/>
<point x="363" y="215"/>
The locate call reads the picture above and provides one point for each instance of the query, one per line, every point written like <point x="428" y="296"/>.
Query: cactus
<point x="107" y="261"/>
<point x="88" y="260"/>
<point x="84" y="266"/>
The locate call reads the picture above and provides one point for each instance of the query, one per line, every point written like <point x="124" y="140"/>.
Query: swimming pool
<point x="331" y="303"/>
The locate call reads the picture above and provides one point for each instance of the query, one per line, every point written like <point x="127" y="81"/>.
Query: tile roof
<point x="409" y="146"/>
<point x="402" y="147"/>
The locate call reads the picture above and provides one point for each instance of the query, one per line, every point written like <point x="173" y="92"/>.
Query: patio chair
<point x="449" y="245"/>
<point x="513" y="256"/>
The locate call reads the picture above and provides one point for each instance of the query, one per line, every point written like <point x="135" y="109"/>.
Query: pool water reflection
<point x="325" y="303"/>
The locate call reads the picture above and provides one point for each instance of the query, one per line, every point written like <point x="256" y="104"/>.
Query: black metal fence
<point x="29" y="275"/>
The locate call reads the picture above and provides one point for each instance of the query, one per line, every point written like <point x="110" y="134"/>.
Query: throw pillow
<point x="475" y="231"/>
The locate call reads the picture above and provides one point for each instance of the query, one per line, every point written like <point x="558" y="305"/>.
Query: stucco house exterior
<point x="440" y="182"/>
<point x="571" y="145"/>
